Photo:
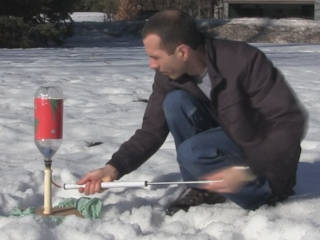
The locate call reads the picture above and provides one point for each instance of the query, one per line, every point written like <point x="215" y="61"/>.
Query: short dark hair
<point x="174" y="27"/>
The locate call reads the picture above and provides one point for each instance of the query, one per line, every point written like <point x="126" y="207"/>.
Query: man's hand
<point x="232" y="179"/>
<point x="94" y="178"/>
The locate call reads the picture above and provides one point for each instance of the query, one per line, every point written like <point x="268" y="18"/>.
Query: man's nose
<point x="153" y="64"/>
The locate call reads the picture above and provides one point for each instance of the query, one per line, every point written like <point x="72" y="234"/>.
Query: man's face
<point x="171" y="65"/>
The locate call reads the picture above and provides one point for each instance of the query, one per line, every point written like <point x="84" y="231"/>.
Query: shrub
<point x="34" y="23"/>
<point x="16" y="33"/>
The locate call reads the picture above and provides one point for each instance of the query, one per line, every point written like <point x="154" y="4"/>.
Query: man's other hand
<point x="230" y="179"/>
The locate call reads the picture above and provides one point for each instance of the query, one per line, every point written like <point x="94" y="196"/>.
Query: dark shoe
<point x="193" y="197"/>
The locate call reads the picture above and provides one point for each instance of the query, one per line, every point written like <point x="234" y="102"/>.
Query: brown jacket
<point x="251" y="101"/>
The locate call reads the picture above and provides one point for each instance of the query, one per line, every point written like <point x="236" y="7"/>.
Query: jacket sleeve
<point x="276" y="154"/>
<point x="146" y="140"/>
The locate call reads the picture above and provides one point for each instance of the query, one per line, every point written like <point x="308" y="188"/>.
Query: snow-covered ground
<point x="88" y="17"/>
<point x="103" y="88"/>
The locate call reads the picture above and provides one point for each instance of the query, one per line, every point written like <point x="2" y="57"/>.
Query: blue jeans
<point x="203" y="147"/>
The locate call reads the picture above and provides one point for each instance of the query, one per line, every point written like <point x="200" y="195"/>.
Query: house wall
<point x="309" y="9"/>
<point x="271" y="1"/>
<point x="317" y="10"/>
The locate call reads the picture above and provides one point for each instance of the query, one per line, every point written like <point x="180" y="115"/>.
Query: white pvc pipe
<point x="108" y="185"/>
<point x="137" y="184"/>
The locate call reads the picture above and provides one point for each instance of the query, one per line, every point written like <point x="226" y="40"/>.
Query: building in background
<point x="317" y="10"/>
<point x="309" y="9"/>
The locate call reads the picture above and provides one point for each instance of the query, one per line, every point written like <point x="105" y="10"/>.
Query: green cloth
<point x="22" y="212"/>
<point x="88" y="207"/>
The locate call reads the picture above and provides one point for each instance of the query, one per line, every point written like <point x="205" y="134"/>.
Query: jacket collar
<point x="213" y="71"/>
<point x="188" y="83"/>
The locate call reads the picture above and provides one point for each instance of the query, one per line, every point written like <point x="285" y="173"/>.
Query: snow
<point x="88" y="17"/>
<point x="103" y="88"/>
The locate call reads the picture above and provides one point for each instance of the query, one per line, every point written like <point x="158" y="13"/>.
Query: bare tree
<point x="127" y="10"/>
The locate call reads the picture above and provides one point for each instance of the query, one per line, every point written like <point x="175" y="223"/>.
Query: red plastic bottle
<point x="48" y="120"/>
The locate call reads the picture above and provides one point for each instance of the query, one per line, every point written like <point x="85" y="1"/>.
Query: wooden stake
<point x="47" y="209"/>
<point x="47" y="191"/>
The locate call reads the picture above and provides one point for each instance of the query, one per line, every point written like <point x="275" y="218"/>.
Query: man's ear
<point x="183" y="52"/>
